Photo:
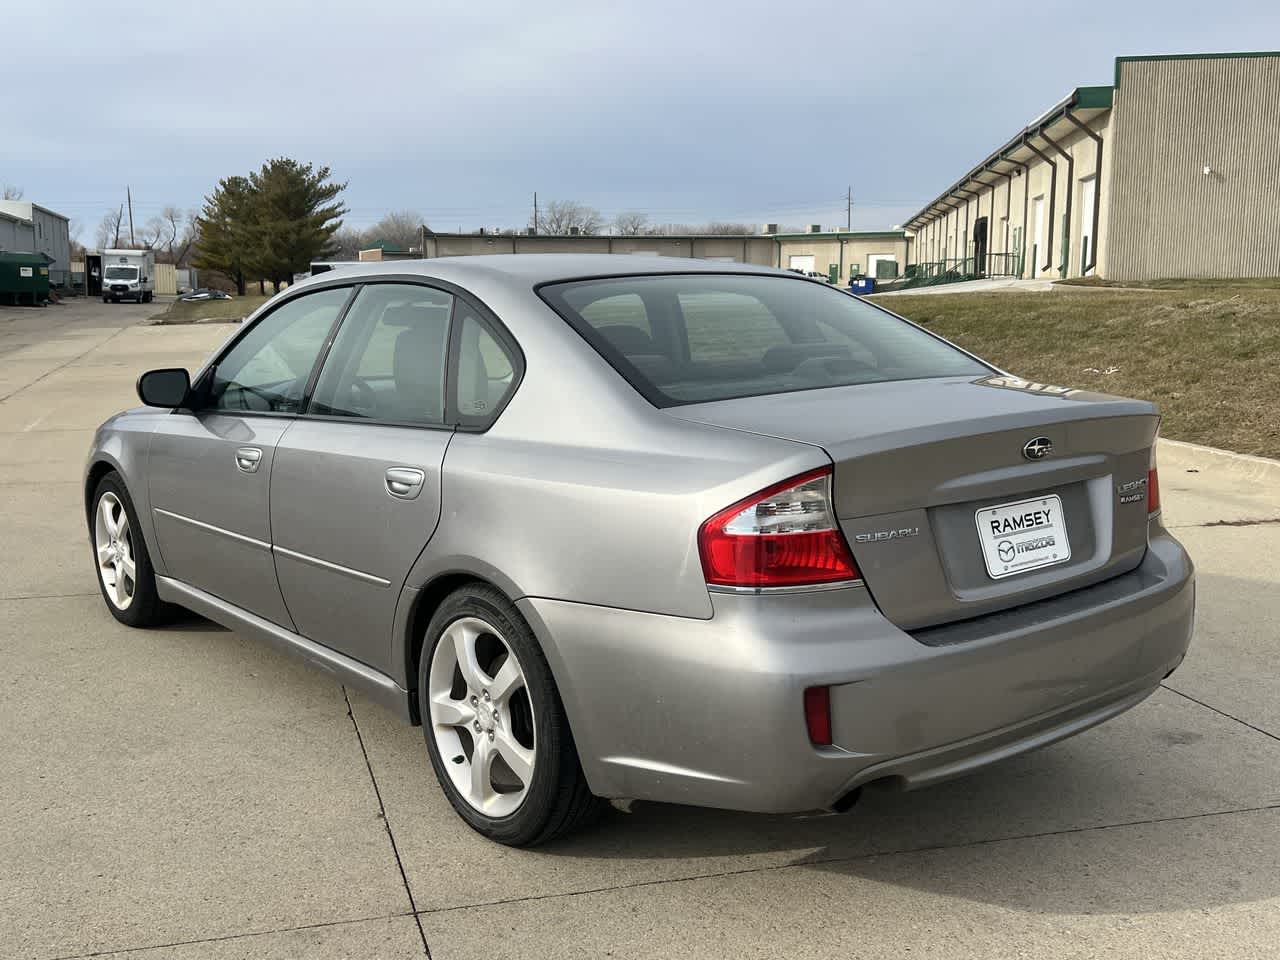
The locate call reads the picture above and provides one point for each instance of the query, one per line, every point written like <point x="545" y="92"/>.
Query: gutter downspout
<point x="968" y="196"/>
<point x="1053" y="193"/>
<point x="1026" y="197"/>
<point x="1066" y="206"/>
<point x="1097" y="191"/>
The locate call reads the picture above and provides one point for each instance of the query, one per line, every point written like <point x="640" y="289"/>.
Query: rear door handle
<point x="404" y="482"/>
<point x="247" y="459"/>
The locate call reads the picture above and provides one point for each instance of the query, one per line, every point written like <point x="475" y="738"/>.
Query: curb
<point x="1262" y="469"/>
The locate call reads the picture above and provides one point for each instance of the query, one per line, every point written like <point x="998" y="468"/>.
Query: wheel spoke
<point x="117" y="586"/>
<point x="517" y="757"/>
<point x="481" y="772"/>
<point x="104" y="555"/>
<point x="449" y="712"/>
<point x="106" y="506"/>
<point x="464" y="648"/>
<point x="126" y="564"/>
<point x="509" y="679"/>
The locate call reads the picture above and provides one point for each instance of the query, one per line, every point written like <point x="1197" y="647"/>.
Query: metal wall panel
<point x="1166" y="216"/>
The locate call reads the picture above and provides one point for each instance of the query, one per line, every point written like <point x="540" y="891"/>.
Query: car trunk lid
<point x="920" y="464"/>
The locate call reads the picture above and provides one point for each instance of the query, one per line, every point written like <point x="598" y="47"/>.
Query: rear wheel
<point x="495" y="728"/>
<point x="125" y="576"/>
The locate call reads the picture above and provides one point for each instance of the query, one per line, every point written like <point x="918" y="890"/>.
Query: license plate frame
<point x="1021" y="539"/>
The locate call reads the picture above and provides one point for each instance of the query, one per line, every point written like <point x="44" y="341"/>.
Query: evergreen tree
<point x="226" y="228"/>
<point x="297" y="212"/>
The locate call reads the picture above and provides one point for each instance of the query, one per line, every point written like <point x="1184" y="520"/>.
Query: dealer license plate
<point x="1022" y="536"/>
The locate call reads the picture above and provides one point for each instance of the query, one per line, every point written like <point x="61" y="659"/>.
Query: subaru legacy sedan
<point x="646" y="528"/>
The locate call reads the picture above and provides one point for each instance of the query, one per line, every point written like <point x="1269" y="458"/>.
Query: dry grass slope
<point x="1208" y="352"/>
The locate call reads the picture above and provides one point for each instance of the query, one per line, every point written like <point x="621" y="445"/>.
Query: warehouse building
<point x="837" y="255"/>
<point x="30" y="228"/>
<point x="1173" y="170"/>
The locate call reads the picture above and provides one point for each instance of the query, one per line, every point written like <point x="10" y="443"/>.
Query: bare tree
<point x="349" y="242"/>
<point x="399" y="228"/>
<point x="560" y="217"/>
<point x="12" y="192"/>
<point x="108" y="234"/>
<point x="186" y="235"/>
<point x="715" y="228"/>
<point x="630" y="223"/>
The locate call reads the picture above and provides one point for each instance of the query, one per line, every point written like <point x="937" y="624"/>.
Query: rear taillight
<point x="783" y="536"/>
<point x="1153" y="484"/>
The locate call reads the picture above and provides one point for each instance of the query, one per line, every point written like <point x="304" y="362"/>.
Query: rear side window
<point x="486" y="370"/>
<point x="709" y="337"/>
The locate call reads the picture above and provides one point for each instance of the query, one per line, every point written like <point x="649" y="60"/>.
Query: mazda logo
<point x="1037" y="448"/>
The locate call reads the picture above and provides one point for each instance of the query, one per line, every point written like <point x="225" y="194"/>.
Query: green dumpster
<point x="24" y="278"/>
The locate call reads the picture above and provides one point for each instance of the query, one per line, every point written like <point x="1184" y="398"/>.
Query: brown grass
<point x="209" y="311"/>
<point x="1208" y="352"/>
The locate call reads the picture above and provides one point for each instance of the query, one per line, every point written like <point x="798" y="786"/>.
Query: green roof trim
<point x="841" y="235"/>
<point x="1246" y="55"/>
<point x="1094" y="98"/>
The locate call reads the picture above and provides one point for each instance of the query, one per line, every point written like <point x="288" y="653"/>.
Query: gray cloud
<point x="689" y="111"/>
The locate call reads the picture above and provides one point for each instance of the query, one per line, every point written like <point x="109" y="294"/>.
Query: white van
<point x="128" y="275"/>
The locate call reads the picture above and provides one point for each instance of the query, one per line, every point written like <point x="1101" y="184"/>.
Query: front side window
<point x="720" y="336"/>
<point x="388" y="360"/>
<point x="267" y="369"/>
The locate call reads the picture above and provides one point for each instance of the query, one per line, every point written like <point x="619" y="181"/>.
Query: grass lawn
<point x="209" y="311"/>
<point x="1208" y="352"/>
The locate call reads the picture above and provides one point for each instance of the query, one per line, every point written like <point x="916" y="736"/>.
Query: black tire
<point x="558" y="799"/>
<point x="146" y="609"/>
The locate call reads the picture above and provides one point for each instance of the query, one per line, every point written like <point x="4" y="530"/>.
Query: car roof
<point x="531" y="269"/>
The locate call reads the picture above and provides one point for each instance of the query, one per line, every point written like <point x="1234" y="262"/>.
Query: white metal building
<point x="1173" y="170"/>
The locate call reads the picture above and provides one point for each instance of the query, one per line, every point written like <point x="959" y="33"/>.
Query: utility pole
<point x="848" y="209"/>
<point x="535" y="212"/>
<point x="129" y="195"/>
<point x="119" y="219"/>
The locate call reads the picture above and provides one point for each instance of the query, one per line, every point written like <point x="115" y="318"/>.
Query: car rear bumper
<point x="709" y="712"/>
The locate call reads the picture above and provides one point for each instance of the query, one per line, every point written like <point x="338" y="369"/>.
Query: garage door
<point x="803" y="262"/>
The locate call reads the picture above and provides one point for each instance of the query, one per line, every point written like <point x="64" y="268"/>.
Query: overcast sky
<point x="687" y="111"/>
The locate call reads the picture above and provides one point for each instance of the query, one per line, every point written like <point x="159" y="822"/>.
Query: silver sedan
<point x="617" y="527"/>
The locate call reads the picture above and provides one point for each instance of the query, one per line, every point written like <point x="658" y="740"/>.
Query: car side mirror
<point x="167" y="387"/>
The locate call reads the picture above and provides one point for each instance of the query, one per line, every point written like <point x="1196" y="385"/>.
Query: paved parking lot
<point x="185" y="793"/>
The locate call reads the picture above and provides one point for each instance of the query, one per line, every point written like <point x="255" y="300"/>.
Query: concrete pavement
<point x="186" y="793"/>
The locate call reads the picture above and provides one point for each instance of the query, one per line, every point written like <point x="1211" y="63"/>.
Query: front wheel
<point x="125" y="576"/>
<point x="495" y="728"/>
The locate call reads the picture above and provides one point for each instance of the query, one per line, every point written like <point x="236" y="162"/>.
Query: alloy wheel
<point x="481" y="717"/>
<point x="113" y="542"/>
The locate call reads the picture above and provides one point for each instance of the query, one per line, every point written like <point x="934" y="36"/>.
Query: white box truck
<point x="128" y="275"/>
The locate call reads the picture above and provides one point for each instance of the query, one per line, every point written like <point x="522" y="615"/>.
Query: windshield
<point x="703" y="337"/>
<point x="122" y="273"/>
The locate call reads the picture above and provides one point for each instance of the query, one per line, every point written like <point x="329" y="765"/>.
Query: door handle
<point x="247" y="459"/>
<point x="404" y="482"/>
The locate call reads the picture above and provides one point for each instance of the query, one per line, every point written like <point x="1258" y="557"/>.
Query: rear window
<point x="702" y="337"/>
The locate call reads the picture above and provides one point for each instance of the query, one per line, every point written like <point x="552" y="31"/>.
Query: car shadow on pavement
<point x="1151" y="813"/>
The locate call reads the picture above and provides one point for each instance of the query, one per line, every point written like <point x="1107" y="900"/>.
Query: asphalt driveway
<point x="186" y="793"/>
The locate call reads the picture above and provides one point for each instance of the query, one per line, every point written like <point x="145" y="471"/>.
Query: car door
<point x="210" y="468"/>
<point x="355" y="487"/>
